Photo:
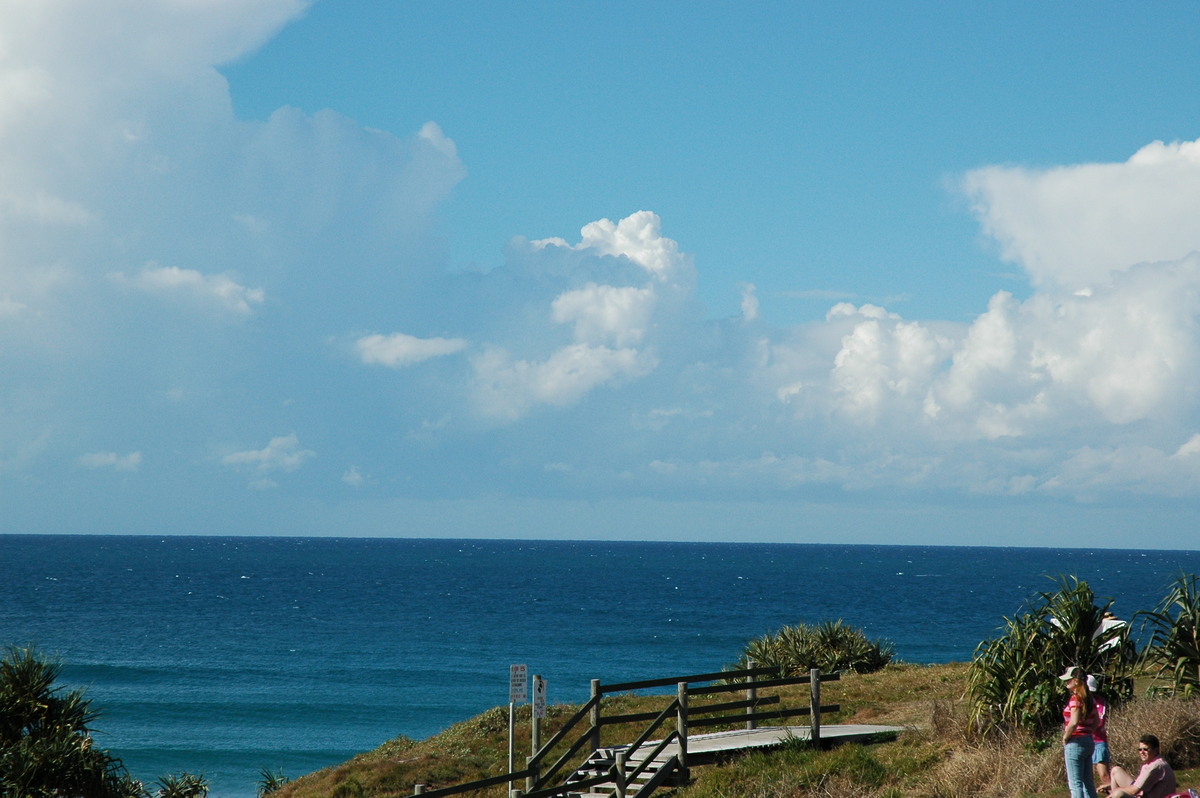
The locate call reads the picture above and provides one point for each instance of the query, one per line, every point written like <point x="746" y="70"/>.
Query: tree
<point x="45" y="737"/>
<point x="1174" y="649"/>
<point x="1012" y="679"/>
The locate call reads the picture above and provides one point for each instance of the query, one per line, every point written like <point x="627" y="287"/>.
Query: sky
<point x="920" y="273"/>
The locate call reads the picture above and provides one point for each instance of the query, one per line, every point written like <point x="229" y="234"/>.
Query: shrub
<point x="1011" y="681"/>
<point x="830" y="646"/>
<point x="1174" y="649"/>
<point x="45" y="736"/>
<point x="185" y="785"/>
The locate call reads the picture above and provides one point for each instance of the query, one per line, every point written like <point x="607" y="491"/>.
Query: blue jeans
<point x="1077" y="754"/>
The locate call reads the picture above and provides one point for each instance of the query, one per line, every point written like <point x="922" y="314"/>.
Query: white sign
<point x="518" y="684"/>
<point x="539" y="698"/>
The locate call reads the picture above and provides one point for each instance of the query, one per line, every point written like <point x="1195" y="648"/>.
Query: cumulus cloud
<point x="637" y="237"/>
<point x="591" y="321"/>
<point x="118" y="462"/>
<point x="507" y="389"/>
<point x="217" y="290"/>
<point x="1072" y="226"/>
<point x="283" y="453"/>
<point x="606" y="313"/>
<point x="582" y="366"/>
<point x="398" y="350"/>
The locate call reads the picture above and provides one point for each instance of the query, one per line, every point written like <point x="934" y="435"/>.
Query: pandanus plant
<point x="829" y="646"/>
<point x="1012" y="680"/>
<point x="1173" y="652"/>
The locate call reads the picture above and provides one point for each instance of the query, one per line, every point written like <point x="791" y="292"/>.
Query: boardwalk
<point x="705" y="747"/>
<point x="596" y="777"/>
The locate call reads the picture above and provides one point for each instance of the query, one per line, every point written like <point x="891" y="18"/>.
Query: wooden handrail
<point x="473" y="785"/>
<point x="624" y="687"/>
<point x="728" y="705"/>
<point x="776" y="714"/>
<point x="658" y="749"/>
<point x="659" y="720"/>
<point x="561" y="733"/>
<point x="536" y="779"/>
<point x="780" y="682"/>
<point x="562" y="760"/>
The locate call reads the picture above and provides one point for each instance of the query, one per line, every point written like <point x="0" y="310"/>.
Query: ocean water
<point x="223" y="655"/>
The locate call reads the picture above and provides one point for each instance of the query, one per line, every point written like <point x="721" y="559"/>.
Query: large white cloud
<point x="137" y="215"/>
<point x="133" y="197"/>
<point x="1072" y="226"/>
<point x="579" y="334"/>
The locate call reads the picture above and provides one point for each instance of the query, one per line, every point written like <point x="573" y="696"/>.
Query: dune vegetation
<point x="983" y="728"/>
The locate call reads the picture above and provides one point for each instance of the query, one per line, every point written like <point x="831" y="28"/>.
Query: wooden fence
<point x="541" y="772"/>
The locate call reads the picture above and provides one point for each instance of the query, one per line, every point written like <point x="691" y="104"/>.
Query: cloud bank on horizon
<point x="197" y="310"/>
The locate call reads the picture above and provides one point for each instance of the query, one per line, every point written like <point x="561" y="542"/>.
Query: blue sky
<point x="894" y="273"/>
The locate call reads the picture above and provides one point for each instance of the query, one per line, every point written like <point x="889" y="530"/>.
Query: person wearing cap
<point x="1100" y="757"/>
<point x="1079" y="719"/>
<point x="1155" y="779"/>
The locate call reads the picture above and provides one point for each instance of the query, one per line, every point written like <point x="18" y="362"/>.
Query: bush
<point x="45" y="737"/>
<point x="828" y="647"/>
<point x="1174" y="650"/>
<point x="1012" y="680"/>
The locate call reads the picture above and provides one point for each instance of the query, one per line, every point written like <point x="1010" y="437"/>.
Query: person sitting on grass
<point x="1155" y="780"/>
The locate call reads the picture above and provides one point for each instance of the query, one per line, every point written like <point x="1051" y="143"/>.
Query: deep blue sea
<point x="222" y="655"/>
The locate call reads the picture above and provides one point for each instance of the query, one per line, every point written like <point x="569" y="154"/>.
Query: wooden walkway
<point x="767" y="737"/>
<point x="705" y="747"/>
<point x="702" y="749"/>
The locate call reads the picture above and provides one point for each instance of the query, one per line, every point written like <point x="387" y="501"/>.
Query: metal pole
<point x="511" y="724"/>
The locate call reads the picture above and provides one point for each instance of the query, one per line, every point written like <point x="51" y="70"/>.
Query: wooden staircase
<point x="617" y="773"/>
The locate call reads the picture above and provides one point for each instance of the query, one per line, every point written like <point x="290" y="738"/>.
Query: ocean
<point x="226" y="655"/>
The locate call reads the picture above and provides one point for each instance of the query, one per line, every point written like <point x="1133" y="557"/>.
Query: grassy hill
<point x="936" y="757"/>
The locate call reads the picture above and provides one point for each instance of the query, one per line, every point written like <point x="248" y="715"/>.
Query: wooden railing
<point x="537" y="774"/>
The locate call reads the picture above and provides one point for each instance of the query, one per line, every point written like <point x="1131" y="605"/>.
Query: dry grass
<point x="1176" y="723"/>
<point x="936" y="758"/>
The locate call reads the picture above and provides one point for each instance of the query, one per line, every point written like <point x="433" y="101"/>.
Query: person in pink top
<point x="1079" y="718"/>
<point x="1155" y="780"/>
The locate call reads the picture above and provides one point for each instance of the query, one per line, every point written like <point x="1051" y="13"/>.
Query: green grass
<point x="935" y="758"/>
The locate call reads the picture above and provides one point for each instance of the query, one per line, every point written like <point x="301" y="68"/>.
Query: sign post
<point x="518" y="690"/>
<point x="539" y="697"/>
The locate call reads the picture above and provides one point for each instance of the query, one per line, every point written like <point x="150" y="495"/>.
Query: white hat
<point x="1073" y="672"/>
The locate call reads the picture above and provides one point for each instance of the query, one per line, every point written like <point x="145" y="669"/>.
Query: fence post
<point x="752" y="696"/>
<point x="681" y="727"/>
<point x="595" y="715"/>
<point x="418" y="789"/>
<point x="814" y="717"/>
<point x="619" y="775"/>
<point x="533" y="763"/>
